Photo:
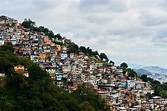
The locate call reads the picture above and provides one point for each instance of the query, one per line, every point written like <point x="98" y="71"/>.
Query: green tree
<point x="85" y="106"/>
<point x="103" y="57"/>
<point x="73" y="48"/>
<point x="7" y="47"/>
<point x="111" y="62"/>
<point x="28" y="23"/>
<point x="89" y="51"/>
<point x="163" y="93"/>
<point x="82" y="49"/>
<point x="5" y="64"/>
<point x="95" y="54"/>
<point x="25" y="61"/>
<point x="131" y="72"/>
<point x="35" y="72"/>
<point x="164" y="86"/>
<point x="124" y="65"/>
<point x="58" y="36"/>
<point x="144" y="78"/>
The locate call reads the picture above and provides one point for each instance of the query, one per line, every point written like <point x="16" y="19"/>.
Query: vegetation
<point x="160" y="89"/>
<point x="73" y="48"/>
<point x="37" y="92"/>
<point x="28" y="23"/>
<point x="124" y="65"/>
<point x="131" y="72"/>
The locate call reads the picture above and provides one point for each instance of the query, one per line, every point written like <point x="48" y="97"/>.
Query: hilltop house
<point x="21" y="70"/>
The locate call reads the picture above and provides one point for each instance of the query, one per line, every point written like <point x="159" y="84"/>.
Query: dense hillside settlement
<point x="119" y="87"/>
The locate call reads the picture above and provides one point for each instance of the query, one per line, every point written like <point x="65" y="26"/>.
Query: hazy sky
<point x="132" y="31"/>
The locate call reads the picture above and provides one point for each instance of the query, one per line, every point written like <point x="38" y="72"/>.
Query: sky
<point x="131" y="31"/>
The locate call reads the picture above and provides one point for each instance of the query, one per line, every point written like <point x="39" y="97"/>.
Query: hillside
<point x="27" y="81"/>
<point x="143" y="71"/>
<point x="37" y="91"/>
<point x="45" y="71"/>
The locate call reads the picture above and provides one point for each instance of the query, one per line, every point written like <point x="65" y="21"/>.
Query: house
<point x="64" y="56"/>
<point x="145" y="104"/>
<point x="2" y="40"/>
<point x="64" y="49"/>
<point x="140" y="85"/>
<point x="42" y="56"/>
<point x="66" y="68"/>
<point x="53" y="76"/>
<point x="50" y="70"/>
<point x="2" y="74"/>
<point x="81" y="54"/>
<point x="2" y="79"/>
<point x="21" y="70"/>
<point x="47" y="40"/>
<point x="58" y="47"/>
<point x="74" y="85"/>
<point x="130" y="84"/>
<point x="59" y="76"/>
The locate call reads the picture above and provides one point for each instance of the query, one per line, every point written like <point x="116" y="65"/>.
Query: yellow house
<point x="42" y="56"/>
<point x="58" y="47"/>
<point x="19" y="68"/>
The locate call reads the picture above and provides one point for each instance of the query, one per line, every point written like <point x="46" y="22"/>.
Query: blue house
<point x="1" y="37"/>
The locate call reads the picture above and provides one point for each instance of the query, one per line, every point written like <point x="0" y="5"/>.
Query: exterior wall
<point x="42" y="56"/>
<point x="58" y="47"/>
<point x="19" y="68"/>
<point x="2" y="42"/>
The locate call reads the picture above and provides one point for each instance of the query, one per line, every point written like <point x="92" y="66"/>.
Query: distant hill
<point x="135" y="66"/>
<point x="143" y="71"/>
<point x="155" y="72"/>
<point x="156" y="69"/>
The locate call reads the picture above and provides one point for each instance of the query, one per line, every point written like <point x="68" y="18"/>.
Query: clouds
<point x="126" y="30"/>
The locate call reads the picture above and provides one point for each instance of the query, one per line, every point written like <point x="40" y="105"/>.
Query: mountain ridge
<point x="155" y="69"/>
<point x="155" y="72"/>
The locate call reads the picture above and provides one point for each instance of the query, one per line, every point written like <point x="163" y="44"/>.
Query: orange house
<point x="42" y="56"/>
<point x="58" y="47"/>
<point x="20" y="69"/>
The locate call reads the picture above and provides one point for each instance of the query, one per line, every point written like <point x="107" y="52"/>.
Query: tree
<point x="131" y="72"/>
<point x="103" y="56"/>
<point x="95" y="53"/>
<point x="163" y="93"/>
<point x="124" y="65"/>
<point x="25" y="61"/>
<point x="85" y="106"/>
<point x="50" y="34"/>
<point x="82" y="49"/>
<point x="7" y="47"/>
<point x="111" y="62"/>
<point x="58" y="36"/>
<point x="5" y="64"/>
<point x="35" y="72"/>
<point x="73" y="48"/>
<point x="89" y="51"/>
<point x="144" y="77"/>
<point x="28" y="23"/>
<point x="164" y="86"/>
<point x="37" y="92"/>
